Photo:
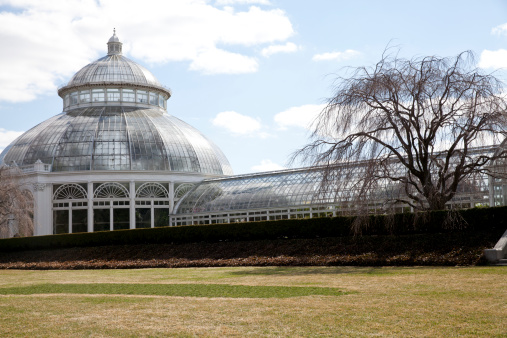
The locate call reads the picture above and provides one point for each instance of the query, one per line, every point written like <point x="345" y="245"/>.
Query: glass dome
<point x="111" y="69"/>
<point x="114" y="119"/>
<point x="117" y="138"/>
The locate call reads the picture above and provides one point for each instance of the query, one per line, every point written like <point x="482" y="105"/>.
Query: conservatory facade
<point x="115" y="159"/>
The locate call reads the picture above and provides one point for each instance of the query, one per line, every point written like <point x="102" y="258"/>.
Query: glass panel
<point x="142" y="96"/>
<point x="161" y="101"/>
<point x="98" y="95"/>
<point x="101" y="219"/>
<point x="161" y="217"/>
<point x="113" y="95"/>
<point x="128" y="95"/>
<point x="76" y="152"/>
<point x="60" y="221"/>
<point x="73" y="98"/>
<point x="153" y="99"/>
<point x="121" y="219"/>
<point x="80" y="220"/>
<point x="143" y="218"/>
<point x="84" y="96"/>
<point x="111" y="145"/>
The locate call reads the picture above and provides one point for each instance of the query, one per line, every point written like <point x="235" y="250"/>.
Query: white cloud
<point x="7" y="136"/>
<point x="337" y="56"/>
<point x="239" y="124"/>
<point x="301" y="116"/>
<point x="289" y="47"/>
<point x="216" y="61"/>
<point x="242" y="2"/>
<point x="493" y="59"/>
<point x="45" y="42"/>
<point x="500" y="29"/>
<point x="267" y="165"/>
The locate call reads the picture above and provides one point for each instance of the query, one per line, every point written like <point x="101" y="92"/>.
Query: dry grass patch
<point x="384" y="301"/>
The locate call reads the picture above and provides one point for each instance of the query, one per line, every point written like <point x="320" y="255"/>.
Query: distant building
<point x="115" y="159"/>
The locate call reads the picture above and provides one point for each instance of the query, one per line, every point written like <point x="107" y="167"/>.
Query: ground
<point x="259" y="301"/>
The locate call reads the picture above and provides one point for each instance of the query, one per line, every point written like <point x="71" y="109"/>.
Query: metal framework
<point x="298" y="193"/>
<point x="118" y="138"/>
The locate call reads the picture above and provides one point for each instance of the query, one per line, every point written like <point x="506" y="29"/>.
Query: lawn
<point x="255" y="301"/>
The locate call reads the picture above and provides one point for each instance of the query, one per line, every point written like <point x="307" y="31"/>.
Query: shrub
<point x="471" y="220"/>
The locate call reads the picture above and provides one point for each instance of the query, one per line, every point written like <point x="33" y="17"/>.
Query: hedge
<point x="471" y="220"/>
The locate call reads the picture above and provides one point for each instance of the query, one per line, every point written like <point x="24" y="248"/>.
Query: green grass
<point x="180" y="290"/>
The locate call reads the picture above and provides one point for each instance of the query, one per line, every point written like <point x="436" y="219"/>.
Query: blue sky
<point x="249" y="74"/>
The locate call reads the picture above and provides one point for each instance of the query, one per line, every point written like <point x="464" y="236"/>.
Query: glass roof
<point x="305" y="187"/>
<point x="117" y="138"/>
<point x="114" y="68"/>
<point x="256" y="191"/>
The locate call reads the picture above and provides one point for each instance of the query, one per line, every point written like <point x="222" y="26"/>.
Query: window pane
<point x="113" y="95"/>
<point x="142" y="96"/>
<point x="153" y="99"/>
<point x="101" y="219"/>
<point x="161" y="217"/>
<point x="73" y="98"/>
<point x="98" y="95"/>
<point x="84" y="96"/>
<point x="143" y="218"/>
<point x="121" y="219"/>
<point x="128" y="95"/>
<point x="60" y="221"/>
<point x="80" y="220"/>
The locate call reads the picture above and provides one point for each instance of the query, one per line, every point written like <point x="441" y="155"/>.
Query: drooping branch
<point x="414" y="124"/>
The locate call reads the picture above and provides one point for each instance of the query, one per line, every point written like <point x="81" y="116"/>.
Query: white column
<point x="491" y="184"/>
<point x="171" y="196"/>
<point x="132" y="191"/>
<point x="43" y="209"/>
<point x="70" y="217"/>
<point x="90" y="206"/>
<point x="152" y="211"/>
<point x="111" y="216"/>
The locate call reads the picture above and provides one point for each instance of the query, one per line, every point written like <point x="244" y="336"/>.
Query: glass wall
<point x="111" y="206"/>
<point x="114" y="95"/>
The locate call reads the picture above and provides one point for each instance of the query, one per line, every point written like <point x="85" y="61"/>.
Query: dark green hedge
<point x="482" y="219"/>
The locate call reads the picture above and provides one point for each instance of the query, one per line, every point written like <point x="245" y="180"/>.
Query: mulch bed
<point x="435" y="249"/>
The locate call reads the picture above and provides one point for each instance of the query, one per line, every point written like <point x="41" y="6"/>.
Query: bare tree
<point x="408" y="130"/>
<point x="16" y="204"/>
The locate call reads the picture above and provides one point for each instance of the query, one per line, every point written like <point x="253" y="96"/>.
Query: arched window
<point x="182" y="189"/>
<point x="111" y="190"/>
<point x="152" y="190"/>
<point x="70" y="192"/>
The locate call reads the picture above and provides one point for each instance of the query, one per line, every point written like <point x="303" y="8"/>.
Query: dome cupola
<point x="114" y="45"/>
<point x="113" y="80"/>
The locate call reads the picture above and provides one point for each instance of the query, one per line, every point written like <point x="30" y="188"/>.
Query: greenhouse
<point x="115" y="159"/>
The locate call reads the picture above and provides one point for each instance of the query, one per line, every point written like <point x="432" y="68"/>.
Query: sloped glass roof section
<point x="288" y="188"/>
<point x="118" y="138"/>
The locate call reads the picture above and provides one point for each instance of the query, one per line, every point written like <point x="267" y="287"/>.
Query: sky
<point x="251" y="75"/>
